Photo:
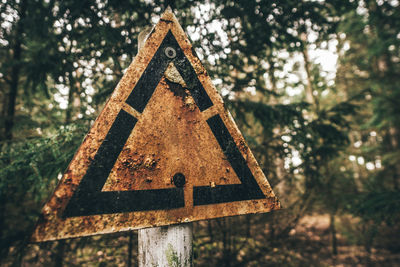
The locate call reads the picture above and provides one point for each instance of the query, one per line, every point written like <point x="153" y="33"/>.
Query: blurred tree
<point x="369" y="63"/>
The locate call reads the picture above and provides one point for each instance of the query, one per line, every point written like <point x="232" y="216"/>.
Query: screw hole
<point x="170" y="52"/>
<point x="179" y="179"/>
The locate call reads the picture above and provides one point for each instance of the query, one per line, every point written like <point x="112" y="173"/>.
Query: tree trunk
<point x="333" y="234"/>
<point x="307" y="66"/>
<point x="70" y="106"/>
<point x="309" y="90"/>
<point x="394" y="137"/>
<point x="59" y="255"/>
<point x="130" y="248"/>
<point x="9" y="108"/>
<point x="15" y="73"/>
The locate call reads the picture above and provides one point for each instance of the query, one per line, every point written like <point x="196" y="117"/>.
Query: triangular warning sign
<point x="163" y="151"/>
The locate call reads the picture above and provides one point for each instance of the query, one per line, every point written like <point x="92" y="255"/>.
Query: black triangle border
<point x="88" y="199"/>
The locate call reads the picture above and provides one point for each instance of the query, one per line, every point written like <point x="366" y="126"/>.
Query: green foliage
<point x="378" y="206"/>
<point x="373" y="35"/>
<point x="28" y="172"/>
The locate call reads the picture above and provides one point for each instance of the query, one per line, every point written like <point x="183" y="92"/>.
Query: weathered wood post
<point x="168" y="245"/>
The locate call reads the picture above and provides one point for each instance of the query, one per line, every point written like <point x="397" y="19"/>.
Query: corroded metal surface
<point x="163" y="151"/>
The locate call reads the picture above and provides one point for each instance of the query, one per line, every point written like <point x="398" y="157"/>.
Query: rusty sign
<point x="163" y="151"/>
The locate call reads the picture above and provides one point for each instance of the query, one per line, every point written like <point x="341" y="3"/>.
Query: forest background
<point x="313" y="85"/>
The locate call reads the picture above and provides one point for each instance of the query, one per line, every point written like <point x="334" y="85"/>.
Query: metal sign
<point x="163" y="151"/>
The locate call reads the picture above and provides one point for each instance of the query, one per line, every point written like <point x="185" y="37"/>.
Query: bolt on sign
<point x="163" y="151"/>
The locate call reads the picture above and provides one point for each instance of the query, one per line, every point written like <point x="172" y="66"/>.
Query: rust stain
<point x="166" y="20"/>
<point x="177" y="89"/>
<point x="190" y="104"/>
<point x="171" y="136"/>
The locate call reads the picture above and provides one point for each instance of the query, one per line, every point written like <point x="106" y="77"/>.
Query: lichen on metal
<point x="163" y="151"/>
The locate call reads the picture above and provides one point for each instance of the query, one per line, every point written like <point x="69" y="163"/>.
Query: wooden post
<point x="169" y="246"/>
<point x="166" y="246"/>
